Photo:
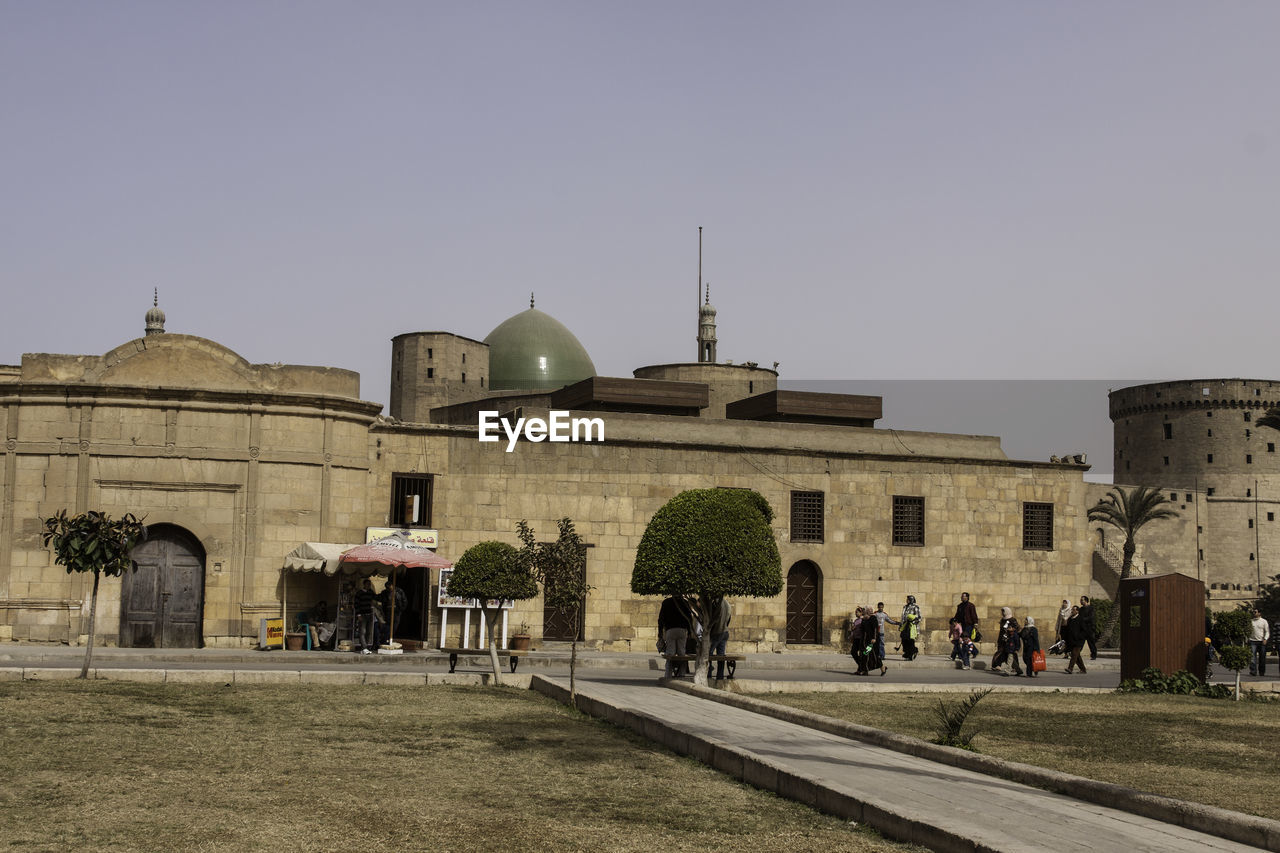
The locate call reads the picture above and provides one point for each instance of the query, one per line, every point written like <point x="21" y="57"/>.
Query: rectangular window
<point x="908" y="520"/>
<point x="431" y="373"/>
<point x="1248" y="459"/>
<point x="1271" y="447"/>
<point x="1173" y="496"/>
<point x="1210" y="458"/>
<point x="1251" y="524"/>
<point x="1166" y="460"/>
<point x="1168" y="430"/>
<point x="1271" y="516"/>
<point x="1209" y="492"/>
<point x="411" y="500"/>
<point x="1188" y="498"/>
<point x="1037" y="526"/>
<point x="428" y="352"/>
<point x="806" y="517"/>
<point x="1248" y="416"/>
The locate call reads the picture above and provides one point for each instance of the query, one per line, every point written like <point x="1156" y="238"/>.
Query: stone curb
<point x="256" y="676"/>
<point x="1233" y="826"/>
<point x="754" y="686"/>
<point x="766" y="775"/>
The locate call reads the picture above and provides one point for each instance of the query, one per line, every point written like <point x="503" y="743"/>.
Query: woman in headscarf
<point x="1030" y="644"/>
<point x="1058" y="636"/>
<point x="1007" y="642"/>
<point x="857" y="639"/>
<point x="911" y="626"/>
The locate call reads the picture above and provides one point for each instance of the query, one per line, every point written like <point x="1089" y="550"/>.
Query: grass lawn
<point x="127" y="766"/>
<point x="1212" y="751"/>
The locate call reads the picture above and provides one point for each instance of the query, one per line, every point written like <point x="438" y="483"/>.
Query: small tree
<point x="704" y="544"/>
<point x="1128" y="512"/>
<point x="492" y="572"/>
<point x="1236" y="658"/>
<point x="561" y="567"/>
<point x="93" y="542"/>
<point x="1268" y="602"/>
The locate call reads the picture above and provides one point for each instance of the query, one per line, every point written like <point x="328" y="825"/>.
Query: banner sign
<point x="417" y="535"/>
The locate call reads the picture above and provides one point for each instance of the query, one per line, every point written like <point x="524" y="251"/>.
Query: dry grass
<point x="1210" y="751"/>
<point x="117" y="766"/>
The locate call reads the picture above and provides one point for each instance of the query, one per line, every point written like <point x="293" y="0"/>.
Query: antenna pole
<point x="698" y="304"/>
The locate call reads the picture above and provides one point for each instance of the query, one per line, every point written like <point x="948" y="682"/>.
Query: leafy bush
<point x="1234" y="657"/>
<point x="1181" y="683"/>
<point x="951" y="717"/>
<point x="1101" y="613"/>
<point x="1231" y="627"/>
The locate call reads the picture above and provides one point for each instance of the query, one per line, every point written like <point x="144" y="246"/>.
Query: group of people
<point x="680" y="630"/>
<point x="1017" y="645"/>
<point x="866" y="635"/>
<point x="374" y="612"/>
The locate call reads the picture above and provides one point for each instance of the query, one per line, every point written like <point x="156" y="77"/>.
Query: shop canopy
<point x="316" y="557"/>
<point x="383" y="556"/>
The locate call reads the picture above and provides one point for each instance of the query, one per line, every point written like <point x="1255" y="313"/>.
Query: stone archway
<point x="804" y="603"/>
<point x="162" y="602"/>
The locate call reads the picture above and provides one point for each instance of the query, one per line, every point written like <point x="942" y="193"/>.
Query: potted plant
<point x="521" y="638"/>
<point x="293" y="637"/>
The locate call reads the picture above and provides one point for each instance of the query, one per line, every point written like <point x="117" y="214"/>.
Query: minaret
<point x="155" y="317"/>
<point x="707" y="330"/>
<point x="706" y="316"/>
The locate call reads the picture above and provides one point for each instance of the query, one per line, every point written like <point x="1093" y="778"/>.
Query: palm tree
<point x="1128" y="512"/>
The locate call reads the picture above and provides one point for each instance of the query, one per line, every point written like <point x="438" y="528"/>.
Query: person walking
<point x="1059" y="642"/>
<point x="858" y="639"/>
<point x="881" y="618"/>
<point x="966" y="615"/>
<point x="1074" y="635"/>
<point x="1030" y="645"/>
<point x="1089" y="626"/>
<point x="910" y="626"/>
<point x="1007" y="642"/>
<point x="673" y="627"/>
<point x="1259" y="634"/>
<point x="722" y="614"/>
<point x="959" y="643"/>
<point x="364" y="601"/>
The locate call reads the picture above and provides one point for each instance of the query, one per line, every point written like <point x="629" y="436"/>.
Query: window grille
<point x="806" y="517"/>
<point x="1037" y="526"/>
<point x="411" y="500"/>
<point x="908" y="520"/>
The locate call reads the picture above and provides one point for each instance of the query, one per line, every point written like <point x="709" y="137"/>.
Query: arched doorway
<point x="804" y="603"/>
<point x="162" y="602"/>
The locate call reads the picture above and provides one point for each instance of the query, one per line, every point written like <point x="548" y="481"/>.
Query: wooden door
<point x="804" y="603"/>
<point x="162" y="602"/>
<point x="562" y="623"/>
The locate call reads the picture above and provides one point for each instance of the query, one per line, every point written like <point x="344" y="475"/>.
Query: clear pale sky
<point x="921" y="190"/>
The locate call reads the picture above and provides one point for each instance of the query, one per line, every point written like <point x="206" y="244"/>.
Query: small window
<point x="1248" y="493"/>
<point x="1248" y="416"/>
<point x="1209" y="492"/>
<point x="1201" y="555"/>
<point x="431" y="373"/>
<point x="1251" y="557"/>
<point x="464" y="358"/>
<point x="1271" y="447"/>
<point x="1251" y="524"/>
<point x="481" y="381"/>
<point x="1209" y="455"/>
<point x="411" y="499"/>
<point x="1199" y="529"/>
<point x="1210" y="433"/>
<point x="1248" y="459"/>
<point x="908" y="520"/>
<point x="1271" y="516"/>
<point x="1208" y="414"/>
<point x="1166" y="460"/>
<point x="1173" y="496"/>
<point x="1247" y="434"/>
<point x="1187" y="498"/>
<point x="428" y="352"/>
<point x="1037" y="526"/>
<point x="464" y="382"/>
<point x="806" y="517"/>
<point x="1168" y="430"/>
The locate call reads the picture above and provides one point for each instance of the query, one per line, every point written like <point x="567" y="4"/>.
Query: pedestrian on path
<point x="1259" y="634"/>
<point x="959" y="644"/>
<point x="722" y="614"/>
<point x="966" y="615"/>
<point x="1030" y="645"/>
<point x="910" y="626"/>
<point x="1007" y="642"/>
<point x="673" y="628"/>
<point x="364" y="602"/>
<point x="858" y="640"/>
<point x="1089" y="625"/>
<point x="1074" y="635"/>
<point x="1059" y="640"/>
<point x="881" y="618"/>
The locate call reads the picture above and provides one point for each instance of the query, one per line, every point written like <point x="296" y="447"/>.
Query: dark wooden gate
<point x="804" y="603"/>
<point x="162" y="603"/>
<point x="561" y="623"/>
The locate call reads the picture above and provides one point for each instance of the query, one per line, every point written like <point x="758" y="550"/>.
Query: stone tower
<point x="1201" y="435"/>
<point x="707" y="330"/>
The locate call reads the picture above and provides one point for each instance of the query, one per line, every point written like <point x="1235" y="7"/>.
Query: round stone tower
<point x="1202" y="435"/>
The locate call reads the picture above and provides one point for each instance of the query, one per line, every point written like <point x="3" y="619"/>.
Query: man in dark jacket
<point x="364" y="617"/>
<point x="1089" y="626"/>
<point x="673" y="628"/>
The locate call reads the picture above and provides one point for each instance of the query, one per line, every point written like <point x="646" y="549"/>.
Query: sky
<point x="924" y="190"/>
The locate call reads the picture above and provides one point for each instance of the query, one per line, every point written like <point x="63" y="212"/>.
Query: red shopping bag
<point x="1037" y="661"/>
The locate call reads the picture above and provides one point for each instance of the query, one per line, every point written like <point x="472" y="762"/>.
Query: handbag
<point x="1037" y="661"/>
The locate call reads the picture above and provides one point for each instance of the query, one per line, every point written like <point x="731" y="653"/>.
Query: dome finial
<point x="708" y="293"/>
<point x="155" y="317"/>
<point x="530" y="298"/>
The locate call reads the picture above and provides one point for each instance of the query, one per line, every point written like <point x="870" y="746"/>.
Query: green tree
<point x="493" y="572"/>
<point x="93" y="542"/>
<point x="561" y="568"/>
<point x="1268" y="602"/>
<point x="1128" y="512"/>
<point x="704" y="544"/>
<point x="1235" y="657"/>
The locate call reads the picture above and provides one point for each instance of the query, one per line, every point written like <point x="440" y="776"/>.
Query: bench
<point x="731" y="661"/>
<point x="513" y="654"/>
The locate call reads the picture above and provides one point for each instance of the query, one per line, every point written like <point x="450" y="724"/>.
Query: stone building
<point x="1198" y="441"/>
<point x="234" y="465"/>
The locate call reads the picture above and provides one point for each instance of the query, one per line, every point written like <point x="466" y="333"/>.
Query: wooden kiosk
<point x="1161" y="625"/>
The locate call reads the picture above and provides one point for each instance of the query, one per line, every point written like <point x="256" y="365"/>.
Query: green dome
<point x="534" y="350"/>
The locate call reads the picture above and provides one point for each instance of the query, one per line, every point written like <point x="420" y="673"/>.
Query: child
<point x="960" y="644"/>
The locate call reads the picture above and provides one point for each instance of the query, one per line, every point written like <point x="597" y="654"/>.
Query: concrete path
<point x="907" y="798"/>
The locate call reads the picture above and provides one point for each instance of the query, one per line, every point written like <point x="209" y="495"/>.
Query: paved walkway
<point x="910" y="798"/>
